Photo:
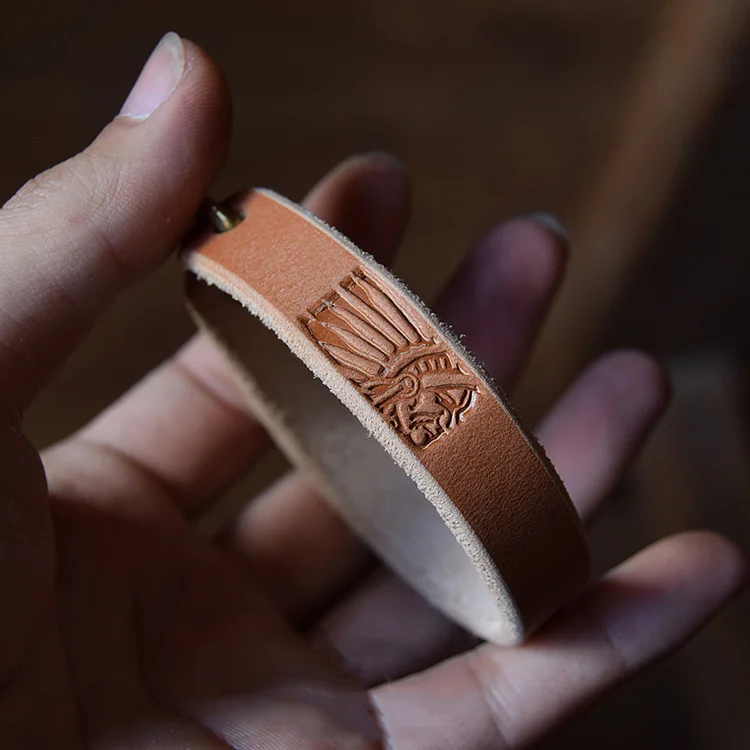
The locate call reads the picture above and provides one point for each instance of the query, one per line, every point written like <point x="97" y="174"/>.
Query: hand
<point x="121" y="627"/>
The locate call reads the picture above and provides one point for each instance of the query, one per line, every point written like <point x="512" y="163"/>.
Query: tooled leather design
<point x="414" y="381"/>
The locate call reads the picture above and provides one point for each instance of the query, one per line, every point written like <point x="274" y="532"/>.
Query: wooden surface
<point x="498" y="108"/>
<point x="677" y="83"/>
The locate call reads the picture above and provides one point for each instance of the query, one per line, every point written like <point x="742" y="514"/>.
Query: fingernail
<point x="158" y="79"/>
<point x="551" y="224"/>
<point x="385" y="157"/>
<point x="389" y="178"/>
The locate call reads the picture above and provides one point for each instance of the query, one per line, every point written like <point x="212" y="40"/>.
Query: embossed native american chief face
<point x="411" y="378"/>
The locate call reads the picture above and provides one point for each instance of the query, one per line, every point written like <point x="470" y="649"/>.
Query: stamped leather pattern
<point x="417" y="384"/>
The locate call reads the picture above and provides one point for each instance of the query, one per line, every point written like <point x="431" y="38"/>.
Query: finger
<point x="366" y="634"/>
<point x="500" y="295"/>
<point x="512" y="274"/>
<point x="590" y="436"/>
<point x="510" y="697"/>
<point x="198" y="456"/>
<point x="368" y="199"/>
<point x="595" y="430"/>
<point x="79" y="233"/>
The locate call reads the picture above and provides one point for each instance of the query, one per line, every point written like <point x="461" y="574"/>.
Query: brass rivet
<point x="221" y="217"/>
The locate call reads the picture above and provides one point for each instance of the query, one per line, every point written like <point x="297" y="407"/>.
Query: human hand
<point x="124" y="628"/>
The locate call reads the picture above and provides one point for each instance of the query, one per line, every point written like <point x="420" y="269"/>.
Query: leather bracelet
<point x="397" y="425"/>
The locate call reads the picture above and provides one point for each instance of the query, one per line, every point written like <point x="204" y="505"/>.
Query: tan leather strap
<point x="443" y="481"/>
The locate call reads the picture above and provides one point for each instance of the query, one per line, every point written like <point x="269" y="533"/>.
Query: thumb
<point x="76" y="235"/>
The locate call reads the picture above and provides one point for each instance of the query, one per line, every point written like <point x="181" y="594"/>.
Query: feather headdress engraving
<point x="406" y="373"/>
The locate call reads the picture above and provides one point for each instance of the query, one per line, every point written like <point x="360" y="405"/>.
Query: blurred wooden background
<point x="628" y="120"/>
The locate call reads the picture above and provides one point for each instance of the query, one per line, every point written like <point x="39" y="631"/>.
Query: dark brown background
<point x="498" y="107"/>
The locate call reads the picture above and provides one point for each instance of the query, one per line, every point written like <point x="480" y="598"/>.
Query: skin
<point x="121" y="627"/>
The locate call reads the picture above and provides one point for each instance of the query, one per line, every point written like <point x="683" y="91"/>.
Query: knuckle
<point x="71" y="204"/>
<point x="73" y="192"/>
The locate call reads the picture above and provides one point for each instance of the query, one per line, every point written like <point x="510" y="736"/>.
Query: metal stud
<point x="221" y="217"/>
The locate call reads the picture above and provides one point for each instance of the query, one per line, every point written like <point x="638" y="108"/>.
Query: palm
<point x="125" y="628"/>
<point x="160" y="639"/>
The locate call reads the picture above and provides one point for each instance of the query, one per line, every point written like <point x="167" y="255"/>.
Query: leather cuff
<point x="392" y="419"/>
